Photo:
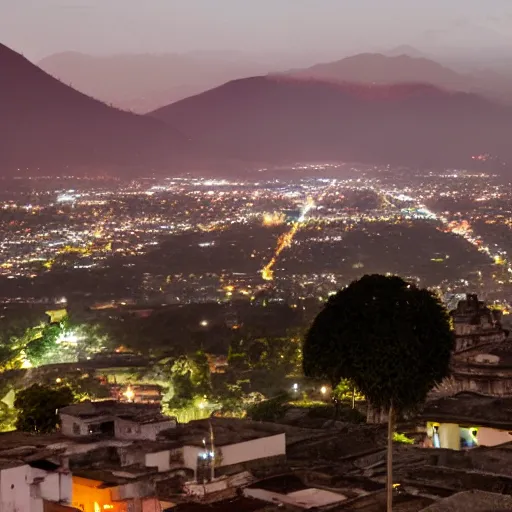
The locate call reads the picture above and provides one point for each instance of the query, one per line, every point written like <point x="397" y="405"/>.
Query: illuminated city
<point x="184" y="240"/>
<point x="255" y="256"/>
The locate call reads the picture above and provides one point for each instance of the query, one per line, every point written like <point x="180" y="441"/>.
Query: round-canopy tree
<point x="37" y="407"/>
<point x="389" y="337"/>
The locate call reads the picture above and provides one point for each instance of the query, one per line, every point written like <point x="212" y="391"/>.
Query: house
<point x="482" y="357"/>
<point x="238" y="445"/>
<point x="467" y="420"/>
<point x="476" y="325"/>
<point x="25" y="487"/>
<point x="120" y="420"/>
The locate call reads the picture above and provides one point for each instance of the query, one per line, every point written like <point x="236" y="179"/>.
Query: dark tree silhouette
<point x="37" y="407"/>
<point x="389" y="337"/>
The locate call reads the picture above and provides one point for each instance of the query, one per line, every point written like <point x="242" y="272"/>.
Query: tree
<point x="390" y="338"/>
<point x="7" y="418"/>
<point x="42" y="344"/>
<point x="37" y="407"/>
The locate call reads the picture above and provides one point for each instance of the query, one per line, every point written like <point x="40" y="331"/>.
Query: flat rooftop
<point x="225" y="431"/>
<point x="233" y="505"/>
<point x="471" y="408"/>
<point x="472" y="501"/>
<point x="140" y="413"/>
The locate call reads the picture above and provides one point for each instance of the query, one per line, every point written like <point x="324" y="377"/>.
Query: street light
<point x="323" y="390"/>
<point x="204" y="323"/>
<point x="129" y="394"/>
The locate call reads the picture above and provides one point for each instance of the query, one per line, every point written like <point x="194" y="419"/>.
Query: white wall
<point x="492" y="437"/>
<point x="449" y="435"/>
<point x="15" y="489"/>
<point x="49" y="488"/>
<point x="190" y="456"/>
<point x="160" y="460"/>
<point x="67" y="426"/>
<point x="125" y="429"/>
<point x="56" y="487"/>
<point x="252" y="450"/>
<point x="209" y="487"/>
<point x="255" y="449"/>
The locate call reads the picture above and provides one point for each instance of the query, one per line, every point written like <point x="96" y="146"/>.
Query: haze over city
<point x="327" y="29"/>
<point x="255" y="255"/>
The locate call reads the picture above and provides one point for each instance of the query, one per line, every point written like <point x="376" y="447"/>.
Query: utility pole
<point x="212" y="453"/>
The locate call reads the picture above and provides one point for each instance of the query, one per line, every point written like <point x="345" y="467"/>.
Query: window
<point x="76" y="429"/>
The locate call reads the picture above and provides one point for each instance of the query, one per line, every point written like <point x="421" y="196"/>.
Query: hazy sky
<point x="325" y="27"/>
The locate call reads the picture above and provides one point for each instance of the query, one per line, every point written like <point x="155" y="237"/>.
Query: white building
<point x="195" y="457"/>
<point x="26" y="489"/>
<point x="120" y="420"/>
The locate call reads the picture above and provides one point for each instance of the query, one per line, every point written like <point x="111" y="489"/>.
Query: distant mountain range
<point x="284" y="118"/>
<point x="381" y="69"/>
<point x="144" y="82"/>
<point x="46" y="124"/>
<point x="376" y="68"/>
<point x="405" y="49"/>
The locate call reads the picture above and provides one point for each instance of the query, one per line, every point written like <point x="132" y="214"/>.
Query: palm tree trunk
<point x="353" y="397"/>
<point x="389" y="483"/>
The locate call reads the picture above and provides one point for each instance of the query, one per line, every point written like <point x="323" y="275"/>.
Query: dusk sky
<point x="40" y="27"/>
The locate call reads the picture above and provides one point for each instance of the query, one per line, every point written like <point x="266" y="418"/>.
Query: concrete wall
<point x="165" y="460"/>
<point x="125" y="429"/>
<point x="67" y="423"/>
<point x="449" y="435"/>
<point x="160" y="460"/>
<point x="255" y="449"/>
<point x="50" y="488"/>
<point x="15" y="489"/>
<point x="193" y="489"/>
<point x="133" y="490"/>
<point x="190" y="456"/>
<point x="232" y="454"/>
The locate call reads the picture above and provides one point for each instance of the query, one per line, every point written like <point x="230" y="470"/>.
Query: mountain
<point x="286" y="119"/>
<point x="405" y="49"/>
<point x="375" y="68"/>
<point x="47" y="125"/>
<point x="381" y="69"/>
<point x="144" y="82"/>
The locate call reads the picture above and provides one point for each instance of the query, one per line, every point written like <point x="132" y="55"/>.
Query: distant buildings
<point x="482" y="360"/>
<point x="126" y="457"/>
<point x="116" y="419"/>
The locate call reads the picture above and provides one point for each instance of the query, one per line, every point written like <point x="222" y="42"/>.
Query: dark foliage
<point x="392" y="339"/>
<point x="272" y="409"/>
<point x="38" y="405"/>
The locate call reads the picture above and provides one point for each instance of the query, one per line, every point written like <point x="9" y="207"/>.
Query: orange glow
<point x="273" y="219"/>
<point x="89" y="497"/>
<point x="283" y="242"/>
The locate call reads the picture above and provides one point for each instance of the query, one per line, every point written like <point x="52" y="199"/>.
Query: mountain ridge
<point x="285" y="118"/>
<point x="47" y="123"/>
<point x="143" y="82"/>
